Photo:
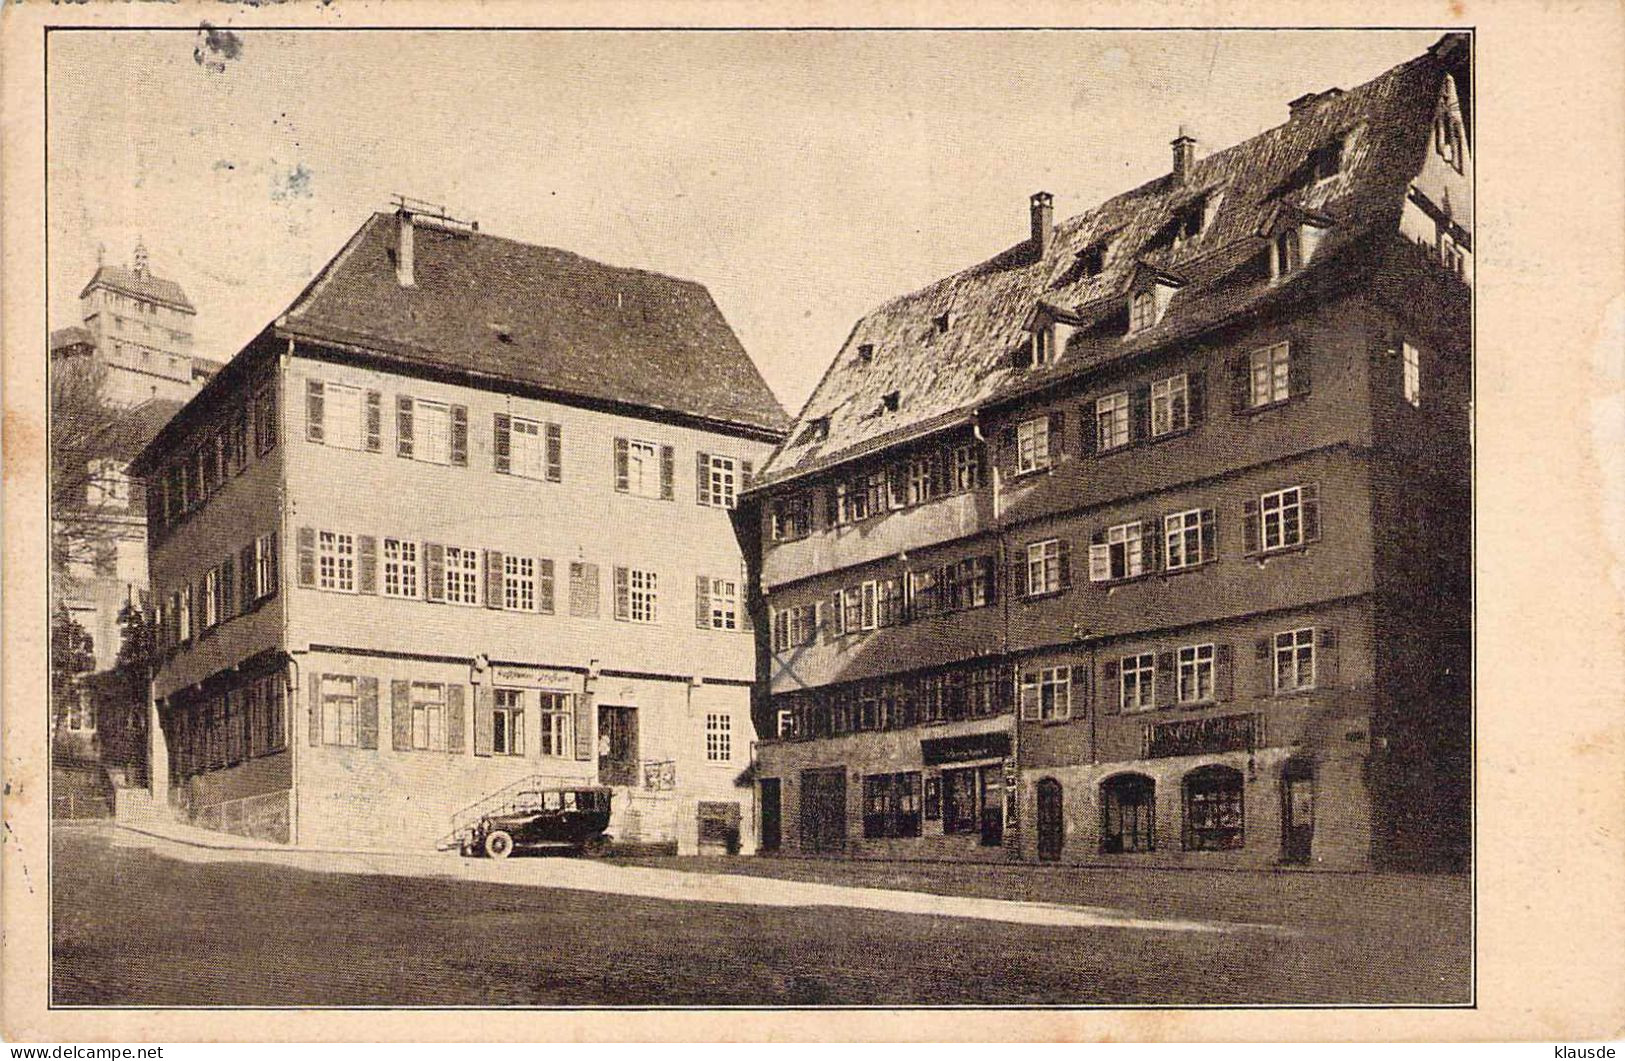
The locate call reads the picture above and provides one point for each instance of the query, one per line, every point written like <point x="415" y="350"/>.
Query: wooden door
<point x="1051" y="824"/>
<point x="823" y="810"/>
<point x="618" y="745"/>
<point x="772" y="811"/>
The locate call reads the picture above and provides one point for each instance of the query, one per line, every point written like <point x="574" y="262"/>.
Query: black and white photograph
<point x="785" y="518"/>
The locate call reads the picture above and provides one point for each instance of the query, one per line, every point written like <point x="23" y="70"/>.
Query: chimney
<point x="141" y="258"/>
<point x="1043" y="216"/>
<point x="1184" y="146"/>
<point x="404" y="272"/>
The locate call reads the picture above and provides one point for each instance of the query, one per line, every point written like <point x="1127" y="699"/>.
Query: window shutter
<point x="832" y="508"/>
<point x="1018" y="579"/>
<point x="1309" y="496"/>
<point x="1028" y="695"/>
<point x="494" y="574"/>
<point x="454" y="718"/>
<point x="702" y="602"/>
<point x="584" y="590"/>
<point x="1100" y="558"/>
<point x="779" y="631"/>
<point x="544" y="586"/>
<point x="403" y="426"/>
<point x="1110" y="696"/>
<point x="1224" y="673"/>
<point x="375" y="422"/>
<point x="1325" y="657"/>
<point x="1196" y="397"/>
<point x="1249" y="527"/>
<point x="484" y="724"/>
<point x="1150" y="544"/>
<point x="747" y="475"/>
<point x="1299" y="366"/>
<point x="1057" y="434"/>
<point x="623" y="475"/>
<point x="434" y="571"/>
<point x="1088" y="429"/>
<point x="747" y="621"/>
<point x="248" y="590"/>
<point x="307" y="556"/>
<point x="1264" y="665"/>
<point x="1210" y="535"/>
<point x="315" y="706"/>
<point x="702" y="478"/>
<point x="459" y="435"/>
<point x="555" y="453"/>
<point x="1008" y="451"/>
<point x="668" y="473"/>
<point x="837" y="621"/>
<point x="366" y="712"/>
<point x="228" y="599"/>
<point x="366" y="550"/>
<point x="585" y="738"/>
<point x="897" y="485"/>
<point x="400" y="715"/>
<point x="623" y="594"/>
<point x="1064" y="551"/>
<point x="1167" y="680"/>
<point x="1240" y="384"/>
<point x="1139" y="412"/>
<point x="314" y="400"/>
<point x="502" y="443"/>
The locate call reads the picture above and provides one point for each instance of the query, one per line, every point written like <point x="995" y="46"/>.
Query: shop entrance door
<point x="823" y="810"/>
<point x="1051" y="832"/>
<point x="1297" y="813"/>
<point x="771" y="812"/>
<point x="992" y="806"/>
<point x="618" y="746"/>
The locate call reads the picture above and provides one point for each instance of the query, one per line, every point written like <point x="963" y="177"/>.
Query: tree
<point x="72" y="657"/>
<point x="87" y="514"/>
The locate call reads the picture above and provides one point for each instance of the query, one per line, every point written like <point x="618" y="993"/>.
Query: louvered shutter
<point x="455" y="726"/>
<point x="1088" y="429"/>
<point x="584" y="590"/>
<point x="1100" y="558"/>
<point x="831" y="507"/>
<point x="747" y="475"/>
<point x="1008" y="451"/>
<point x="1325" y="657"/>
<point x="1109" y="690"/>
<point x="623" y="475"/>
<point x="1250" y="527"/>
<point x="375" y="422"/>
<point x="747" y="620"/>
<point x="273" y="561"/>
<point x="1151" y="544"/>
<point x="502" y="443"/>
<point x="1309" y="497"/>
<point x="702" y="602"/>
<point x="315" y="399"/>
<point x="837" y="621"/>
<point x="1196" y="397"/>
<point x="434" y="571"/>
<point x="1210" y="535"/>
<point x="1019" y="588"/>
<point x="247" y="589"/>
<point x="623" y="594"/>
<point x="484" y="723"/>
<point x="366" y="549"/>
<point x="459" y="435"/>
<point x="1139" y="412"/>
<point x="1224" y="673"/>
<point x="1300" y="366"/>
<point x="544" y="586"/>
<point x="1240" y="384"/>
<point x="702" y="478"/>
<point x="366" y="712"/>
<point x="1264" y="665"/>
<point x="307" y="556"/>
<point x="583" y="726"/>
<point x="1057" y="434"/>
<point x="1167" y="680"/>
<point x="403" y="426"/>
<point x="1064" y="557"/>
<point x="1028" y="697"/>
<point x="495" y="574"/>
<point x="897" y="485"/>
<point x="779" y="631"/>
<point x="315" y="706"/>
<point x="668" y="473"/>
<point x="555" y="453"/>
<point x="400" y="715"/>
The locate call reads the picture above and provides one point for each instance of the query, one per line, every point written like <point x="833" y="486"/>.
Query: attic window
<point x="1325" y="161"/>
<point x="943" y="321"/>
<point x="1287" y="254"/>
<point x="1448" y="140"/>
<point x="1092" y="261"/>
<point x="817" y="430"/>
<point x="889" y="401"/>
<point x="1142" y="311"/>
<point x="866" y="352"/>
<point x="503" y="335"/>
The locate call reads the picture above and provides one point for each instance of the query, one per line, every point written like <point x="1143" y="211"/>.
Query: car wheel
<point x="498" y="844"/>
<point x="597" y="847"/>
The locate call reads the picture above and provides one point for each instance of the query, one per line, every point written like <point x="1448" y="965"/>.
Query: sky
<point x="804" y="178"/>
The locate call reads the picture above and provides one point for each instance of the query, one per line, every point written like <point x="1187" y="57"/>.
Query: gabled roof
<point x="152" y="288"/>
<point x="539" y="316"/>
<point x="1382" y="128"/>
<point x="140" y="424"/>
<point x="73" y="335"/>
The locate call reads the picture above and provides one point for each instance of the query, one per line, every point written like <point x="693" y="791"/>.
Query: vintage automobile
<point x="572" y="818"/>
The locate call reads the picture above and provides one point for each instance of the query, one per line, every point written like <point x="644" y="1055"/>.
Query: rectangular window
<point x="888" y="602"/>
<point x="922" y="479"/>
<point x="462" y="575"/>
<point x="718" y="738"/>
<point x="1142" y="309"/>
<point x="642" y="468"/>
<point x="508" y="722"/>
<point x="1118" y="553"/>
<point x="1170" y="405"/>
<point x="1044" y="567"/>
<point x="265" y="568"/>
<point x="1282" y="513"/>
<point x="1270" y="375"/>
<point x="724" y="604"/>
<point x="1111" y="421"/>
<point x="875" y="491"/>
<point x="431" y="432"/>
<point x="336" y="561"/>
<point x="527" y="448"/>
<point x="851" y="503"/>
<point x="556" y="715"/>
<point x="925" y="592"/>
<point x="428" y="716"/>
<point x="1295" y="660"/>
<point x="518" y="583"/>
<point x="721" y="481"/>
<point x="961" y="809"/>
<point x="891" y="805"/>
<point x="1046" y="694"/>
<point x="338" y="710"/>
<point x="1183" y="539"/>
<point x="1413" y="374"/>
<point x="967" y="466"/>
<point x="341" y="418"/>
<point x="1032" y="444"/>
<point x="1195" y="674"/>
<point x="643" y="596"/>
<point x="401" y="570"/>
<point x="852" y="610"/>
<point x="791" y="518"/>
<point x="265" y="420"/>
<point x="1138" y="680"/>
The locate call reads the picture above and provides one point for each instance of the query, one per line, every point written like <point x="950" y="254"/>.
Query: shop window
<point x="508" y="722"/>
<point x="1214" y="809"/>
<point x="1128" y="814"/>
<point x="891" y="805"/>
<point x="556" y="715"/>
<point x="959" y="801"/>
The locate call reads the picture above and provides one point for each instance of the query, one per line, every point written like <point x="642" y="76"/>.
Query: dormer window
<point x="1092" y="262"/>
<point x="943" y="321"/>
<point x="817" y="430"/>
<point x="1142" y="311"/>
<point x="1043" y="345"/>
<point x="889" y="401"/>
<point x="1150" y="294"/>
<point x="866" y="352"/>
<point x="1326" y="161"/>
<point x="1287" y="253"/>
<point x="1448" y="140"/>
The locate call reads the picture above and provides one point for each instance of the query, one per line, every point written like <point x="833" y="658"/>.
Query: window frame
<point x="556" y="725"/>
<point x="722" y="480"/>
<point x="1175" y="396"/>
<point x="642" y="595"/>
<point x="718" y="737"/>
<point x="1183" y="534"/>
<point x="336" y="562"/>
<point x="333" y="729"/>
<point x="1032" y="445"/>
<point x="1196" y="660"/>
<point x="425" y="413"/>
<point x="1118" y="434"/>
<point x="508" y="739"/>
<point x="429" y="710"/>
<point x="518" y="582"/>
<point x="402" y="571"/>
<point x="1275" y="385"/>
<point x="1047" y="563"/>
<point x="1142" y="310"/>
<point x="1299" y="645"/>
<point x="1283" y="509"/>
<point x="723" y="598"/>
<point x="1411" y="373"/>
<point x="463" y="571"/>
<point x="1143" y="667"/>
<point x="1051" y="692"/>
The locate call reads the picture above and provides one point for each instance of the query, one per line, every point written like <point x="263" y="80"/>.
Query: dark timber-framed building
<point x="1148" y="540"/>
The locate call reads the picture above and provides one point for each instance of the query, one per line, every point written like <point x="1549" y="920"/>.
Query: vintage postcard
<point x="1049" y="527"/>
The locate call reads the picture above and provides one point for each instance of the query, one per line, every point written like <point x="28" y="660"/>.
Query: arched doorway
<point x="1215" y="812"/>
<point x="1128" y="814"/>
<point x="1051" y="821"/>
<point x="1297" y="810"/>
